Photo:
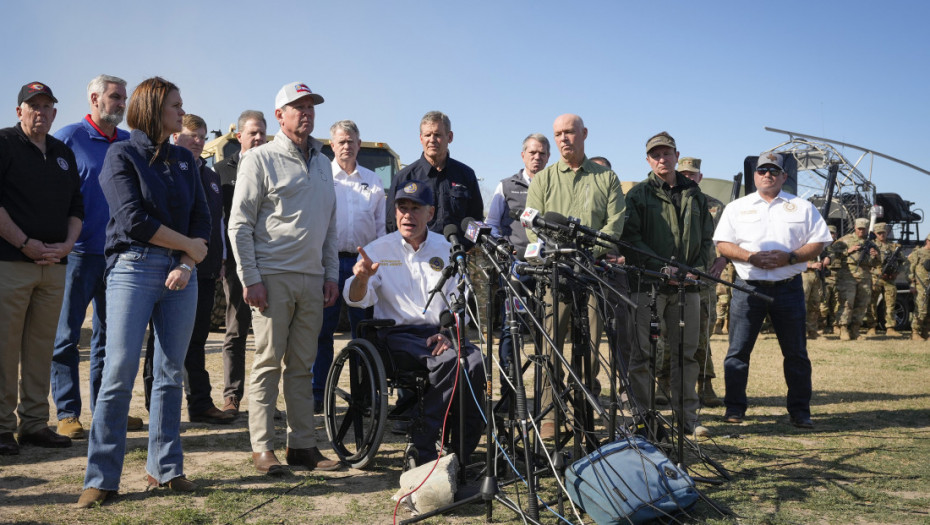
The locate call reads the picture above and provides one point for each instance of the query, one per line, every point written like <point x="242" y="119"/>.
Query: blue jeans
<point x="83" y="284"/>
<point x="324" y="349"/>
<point x="788" y="313"/>
<point x="136" y="292"/>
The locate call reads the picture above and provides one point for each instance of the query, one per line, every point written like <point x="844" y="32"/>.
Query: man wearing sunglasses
<point x="770" y="235"/>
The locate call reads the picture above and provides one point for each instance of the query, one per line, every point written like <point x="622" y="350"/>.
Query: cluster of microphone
<point x="556" y="235"/>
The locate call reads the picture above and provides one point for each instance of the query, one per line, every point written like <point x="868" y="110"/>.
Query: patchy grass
<point x="864" y="463"/>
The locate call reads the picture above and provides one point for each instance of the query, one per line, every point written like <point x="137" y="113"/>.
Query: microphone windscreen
<point x="449" y="231"/>
<point x="555" y="218"/>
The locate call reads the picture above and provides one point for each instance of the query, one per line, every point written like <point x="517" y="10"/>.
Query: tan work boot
<point x="844" y="334"/>
<point x="718" y="327"/>
<point x="706" y="393"/>
<point x="915" y="336"/>
<point x="871" y="332"/>
<point x="71" y="427"/>
<point x="891" y="332"/>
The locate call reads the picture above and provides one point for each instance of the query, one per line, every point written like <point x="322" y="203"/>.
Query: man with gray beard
<point x="89" y="139"/>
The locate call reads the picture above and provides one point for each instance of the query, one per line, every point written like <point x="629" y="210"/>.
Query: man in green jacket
<point x="575" y="186"/>
<point x="667" y="215"/>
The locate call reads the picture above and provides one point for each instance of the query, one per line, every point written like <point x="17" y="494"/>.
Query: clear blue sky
<point x="713" y="74"/>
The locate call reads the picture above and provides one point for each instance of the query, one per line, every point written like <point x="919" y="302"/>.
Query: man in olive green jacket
<point x="667" y="216"/>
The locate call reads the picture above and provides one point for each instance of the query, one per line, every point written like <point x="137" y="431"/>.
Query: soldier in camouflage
<point x="813" y="288"/>
<point x="828" y="298"/>
<point x="723" y="300"/>
<point x="853" y="278"/>
<point x="882" y="284"/>
<point x="919" y="276"/>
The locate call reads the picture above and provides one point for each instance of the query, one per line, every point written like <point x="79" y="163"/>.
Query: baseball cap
<point x="689" y="164"/>
<point x="770" y="157"/>
<point x="862" y="223"/>
<point x="660" y="139"/>
<point x="880" y="227"/>
<point x="832" y="228"/>
<point x="416" y="191"/>
<point x="32" y="89"/>
<point x="293" y="91"/>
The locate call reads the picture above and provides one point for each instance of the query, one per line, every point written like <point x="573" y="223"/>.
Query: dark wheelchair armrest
<point x="372" y="324"/>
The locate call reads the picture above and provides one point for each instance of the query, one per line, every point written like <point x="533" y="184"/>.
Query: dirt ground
<point x="55" y="476"/>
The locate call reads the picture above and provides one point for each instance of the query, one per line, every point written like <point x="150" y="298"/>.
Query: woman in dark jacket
<point x="159" y="223"/>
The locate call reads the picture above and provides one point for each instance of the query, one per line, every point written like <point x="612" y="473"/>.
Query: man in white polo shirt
<point x="770" y="235"/>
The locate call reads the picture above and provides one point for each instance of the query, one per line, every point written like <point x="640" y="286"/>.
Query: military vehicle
<point x="376" y="156"/>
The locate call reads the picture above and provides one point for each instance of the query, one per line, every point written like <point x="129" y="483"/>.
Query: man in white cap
<point x="854" y="278"/>
<point x="770" y="235"/>
<point x="283" y="231"/>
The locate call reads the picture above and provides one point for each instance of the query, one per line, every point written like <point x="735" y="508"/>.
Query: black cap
<point x="32" y="89"/>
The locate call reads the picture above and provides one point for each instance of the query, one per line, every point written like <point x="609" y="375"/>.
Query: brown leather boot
<point x="718" y="327"/>
<point x="844" y="334"/>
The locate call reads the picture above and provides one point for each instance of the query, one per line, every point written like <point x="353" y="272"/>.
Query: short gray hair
<point x="345" y="125"/>
<point x="437" y="116"/>
<point x="250" y="114"/>
<point x="538" y="137"/>
<point x="99" y="84"/>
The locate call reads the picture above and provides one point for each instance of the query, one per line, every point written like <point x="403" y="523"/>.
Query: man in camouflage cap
<point x="883" y="283"/>
<point x="854" y="278"/>
<point x="919" y="276"/>
<point x="690" y="167"/>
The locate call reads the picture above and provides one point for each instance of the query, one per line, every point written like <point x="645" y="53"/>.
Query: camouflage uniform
<point x="919" y="277"/>
<point x="723" y="300"/>
<point x="881" y="286"/>
<point x="853" y="284"/>
<point x="812" y="287"/>
<point x="828" y="296"/>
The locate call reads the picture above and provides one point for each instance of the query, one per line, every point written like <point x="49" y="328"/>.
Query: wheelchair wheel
<point x="355" y="403"/>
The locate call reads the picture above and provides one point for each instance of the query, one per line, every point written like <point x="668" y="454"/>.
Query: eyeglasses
<point x="773" y="171"/>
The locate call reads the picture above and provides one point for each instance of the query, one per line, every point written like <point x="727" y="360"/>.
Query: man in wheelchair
<point x="395" y="274"/>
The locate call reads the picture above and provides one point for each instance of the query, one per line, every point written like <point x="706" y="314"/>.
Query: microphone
<point x="525" y="269"/>
<point x="573" y="223"/>
<point x="531" y="219"/>
<point x="537" y="253"/>
<point x="457" y="251"/>
<point x="447" y="272"/>
<point x="478" y="231"/>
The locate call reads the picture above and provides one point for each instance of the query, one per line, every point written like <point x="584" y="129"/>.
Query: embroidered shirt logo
<point x="183" y="165"/>
<point x="215" y="188"/>
<point x="62" y="163"/>
<point x="436" y="263"/>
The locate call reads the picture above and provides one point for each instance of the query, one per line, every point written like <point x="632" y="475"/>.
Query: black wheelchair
<point x="355" y="404"/>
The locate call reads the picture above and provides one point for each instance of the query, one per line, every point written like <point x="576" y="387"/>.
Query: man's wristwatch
<point x="792" y="258"/>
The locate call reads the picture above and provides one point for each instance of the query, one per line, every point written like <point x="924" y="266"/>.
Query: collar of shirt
<point x="525" y="177"/>
<point x="102" y="134"/>
<point x="339" y="173"/>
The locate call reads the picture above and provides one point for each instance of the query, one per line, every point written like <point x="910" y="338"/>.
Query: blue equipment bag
<point x="629" y="481"/>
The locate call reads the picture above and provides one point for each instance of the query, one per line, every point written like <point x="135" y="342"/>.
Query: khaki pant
<point x="30" y="303"/>
<point x="591" y="360"/>
<point x="285" y="343"/>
